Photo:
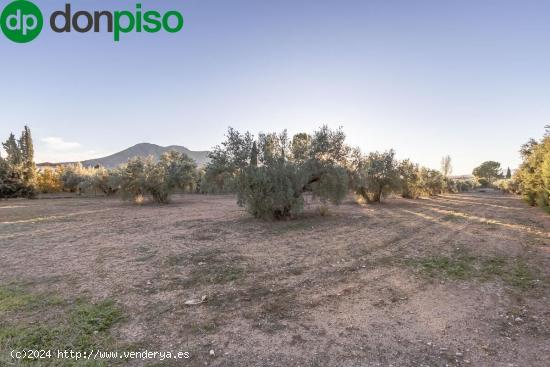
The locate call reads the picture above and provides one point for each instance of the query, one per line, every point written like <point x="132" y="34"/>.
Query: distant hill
<point x="462" y="177"/>
<point x="141" y="150"/>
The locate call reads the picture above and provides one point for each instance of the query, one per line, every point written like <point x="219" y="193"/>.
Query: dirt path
<point x="458" y="280"/>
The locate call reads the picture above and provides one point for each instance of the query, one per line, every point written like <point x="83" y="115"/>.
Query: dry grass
<point x="436" y="281"/>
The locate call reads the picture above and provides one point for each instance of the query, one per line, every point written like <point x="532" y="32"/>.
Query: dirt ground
<point x="457" y="280"/>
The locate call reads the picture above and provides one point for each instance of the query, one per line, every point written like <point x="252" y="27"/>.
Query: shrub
<point x="465" y="184"/>
<point x="97" y="179"/>
<point x="421" y="181"/>
<point x="508" y="185"/>
<point x="75" y="177"/>
<point x="449" y="185"/>
<point x="533" y="175"/>
<point x="105" y="181"/>
<point x="529" y="175"/>
<point x="12" y="182"/>
<point x="483" y="182"/>
<point x="269" y="191"/>
<point x="454" y="185"/>
<point x="199" y="180"/>
<point x="49" y="181"/>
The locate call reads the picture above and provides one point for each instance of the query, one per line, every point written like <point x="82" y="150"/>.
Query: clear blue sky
<point x="469" y="78"/>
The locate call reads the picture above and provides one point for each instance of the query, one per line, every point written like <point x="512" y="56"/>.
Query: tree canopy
<point x="271" y="173"/>
<point x="376" y="175"/>
<point x="489" y="170"/>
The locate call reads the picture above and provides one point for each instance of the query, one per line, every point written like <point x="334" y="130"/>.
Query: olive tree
<point x="227" y="162"/>
<point x="432" y="181"/>
<point x="411" y="180"/>
<point x="376" y="175"/>
<point x="174" y="171"/>
<point x="272" y="172"/>
<point x="132" y="177"/>
<point x="106" y="181"/>
<point x="143" y="176"/>
<point x="75" y="177"/>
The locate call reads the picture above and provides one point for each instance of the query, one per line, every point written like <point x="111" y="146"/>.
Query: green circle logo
<point x="21" y="21"/>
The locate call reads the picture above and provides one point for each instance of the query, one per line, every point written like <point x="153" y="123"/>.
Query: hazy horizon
<point x="63" y="146"/>
<point x="427" y="78"/>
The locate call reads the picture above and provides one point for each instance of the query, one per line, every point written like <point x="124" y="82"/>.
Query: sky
<point x="468" y="78"/>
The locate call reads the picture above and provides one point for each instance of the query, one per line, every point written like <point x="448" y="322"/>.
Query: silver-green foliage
<point x="376" y="175"/>
<point x="75" y="177"/>
<point x="411" y="180"/>
<point x="142" y="176"/>
<point x="226" y="162"/>
<point x="419" y="181"/>
<point x="272" y="173"/>
<point x="433" y="182"/>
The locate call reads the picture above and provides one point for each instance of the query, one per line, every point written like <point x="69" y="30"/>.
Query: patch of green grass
<point x="84" y="327"/>
<point x="13" y="298"/>
<point x="42" y="322"/>
<point x="513" y="271"/>
<point x="204" y="275"/>
<point x="460" y="267"/>
<point x="92" y="318"/>
<point x="492" y="267"/>
<point x="209" y="266"/>
<point x="521" y="275"/>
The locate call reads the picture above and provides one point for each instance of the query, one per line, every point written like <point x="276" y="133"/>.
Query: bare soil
<point x="457" y="280"/>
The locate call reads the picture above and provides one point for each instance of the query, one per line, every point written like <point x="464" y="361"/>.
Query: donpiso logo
<point x="21" y="21"/>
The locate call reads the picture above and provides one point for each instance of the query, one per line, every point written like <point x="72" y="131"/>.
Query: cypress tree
<point x="26" y="145"/>
<point x="18" y="175"/>
<point x="14" y="156"/>
<point x="27" y="155"/>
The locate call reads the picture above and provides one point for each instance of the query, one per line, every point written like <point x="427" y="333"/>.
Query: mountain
<point x="142" y="150"/>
